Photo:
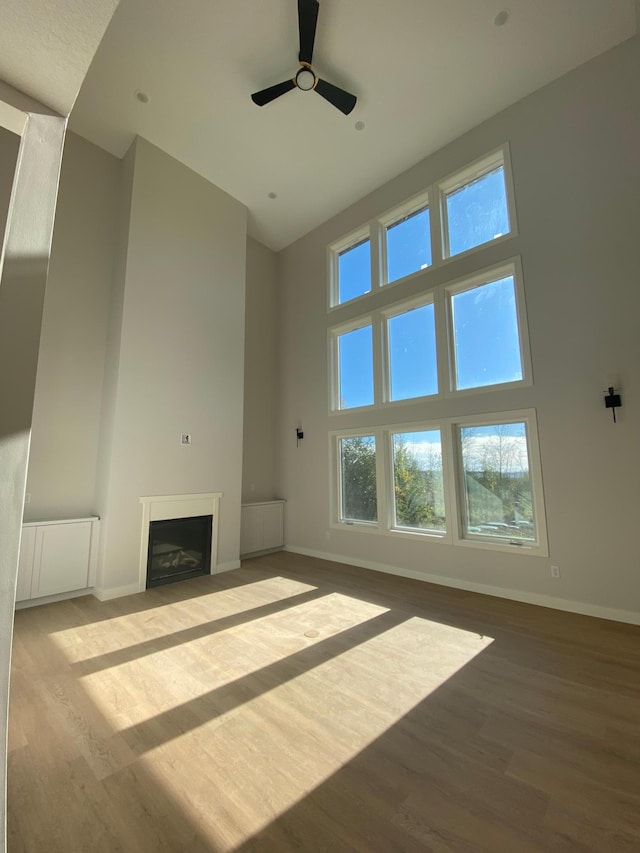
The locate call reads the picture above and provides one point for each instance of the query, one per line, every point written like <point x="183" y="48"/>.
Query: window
<point x="424" y="340"/>
<point x="354" y="357"/>
<point x="407" y="239"/>
<point x="411" y="347"/>
<point x="358" y="489"/>
<point x="485" y="331"/>
<point x="474" y="482"/>
<point x="350" y="264"/>
<point x="497" y="482"/>
<point x="354" y="271"/>
<point x="484" y="343"/>
<point x="475" y="206"/>
<point x="418" y="487"/>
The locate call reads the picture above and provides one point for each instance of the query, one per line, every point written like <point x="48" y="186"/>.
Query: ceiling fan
<point x="306" y="79"/>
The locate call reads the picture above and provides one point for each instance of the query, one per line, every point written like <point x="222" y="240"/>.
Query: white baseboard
<point x="227" y="567"/>
<point x="132" y="588"/>
<point x="115" y="592"/>
<point x="49" y="599"/>
<point x="629" y="616"/>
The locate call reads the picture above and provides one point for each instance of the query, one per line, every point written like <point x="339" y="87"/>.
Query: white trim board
<point x="50" y="599"/>
<point x="115" y="592"/>
<point x="628" y="616"/>
<point x="229" y="566"/>
<point x="132" y="588"/>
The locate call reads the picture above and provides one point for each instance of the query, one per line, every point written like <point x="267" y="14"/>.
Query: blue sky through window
<point x="354" y="272"/>
<point x="412" y="353"/>
<point x="486" y="336"/>
<point x="408" y="245"/>
<point x="477" y="212"/>
<point x="485" y="332"/>
<point x="355" y="355"/>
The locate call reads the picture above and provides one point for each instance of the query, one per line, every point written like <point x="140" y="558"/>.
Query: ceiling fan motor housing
<point x="305" y="78"/>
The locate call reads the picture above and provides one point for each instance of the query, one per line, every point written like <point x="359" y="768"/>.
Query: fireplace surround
<point x="172" y="508"/>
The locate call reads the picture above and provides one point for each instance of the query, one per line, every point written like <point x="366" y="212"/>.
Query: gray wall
<point x="9" y="145"/>
<point x="259" y="460"/>
<point x="66" y="417"/>
<point x="179" y="351"/>
<point x="23" y="277"/>
<point x="574" y="149"/>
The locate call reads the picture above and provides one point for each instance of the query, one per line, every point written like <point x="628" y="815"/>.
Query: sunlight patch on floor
<point x="132" y="692"/>
<point x="296" y="736"/>
<point x="86" y="642"/>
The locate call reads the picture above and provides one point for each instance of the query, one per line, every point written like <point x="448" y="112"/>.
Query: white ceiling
<point x="46" y="46"/>
<point x="424" y="71"/>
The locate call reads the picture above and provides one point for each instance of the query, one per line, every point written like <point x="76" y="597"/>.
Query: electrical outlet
<point x="555" y="571"/>
<point x="185" y="438"/>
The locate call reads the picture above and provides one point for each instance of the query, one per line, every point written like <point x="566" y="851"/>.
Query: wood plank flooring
<point x="300" y="705"/>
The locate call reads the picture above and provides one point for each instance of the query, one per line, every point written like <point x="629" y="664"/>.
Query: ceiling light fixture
<point x="142" y="97"/>
<point x="501" y="18"/>
<point x="306" y="79"/>
<point x="359" y="125"/>
<point x="273" y="195"/>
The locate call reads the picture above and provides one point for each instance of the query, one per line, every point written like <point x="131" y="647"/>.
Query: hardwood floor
<point x="302" y="705"/>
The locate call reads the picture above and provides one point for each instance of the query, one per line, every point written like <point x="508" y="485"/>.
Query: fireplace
<point x="173" y="510"/>
<point x="179" y="548"/>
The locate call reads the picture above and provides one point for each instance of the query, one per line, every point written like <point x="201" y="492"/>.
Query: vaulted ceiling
<point x="424" y="71"/>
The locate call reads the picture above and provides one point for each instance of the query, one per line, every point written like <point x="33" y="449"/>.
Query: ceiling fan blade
<point x="338" y="97"/>
<point x="307" y="20"/>
<point x="265" y="96"/>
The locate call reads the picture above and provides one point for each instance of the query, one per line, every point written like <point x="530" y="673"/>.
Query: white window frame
<point x="336" y="521"/>
<point x="511" y="267"/>
<point x="447" y="480"/>
<point x="440" y="297"/>
<point x="456" y="180"/>
<point x="350" y="241"/>
<point x="395" y="310"/>
<point x="527" y="416"/>
<point x="452" y="472"/>
<point x="333" y="348"/>
<point x="433" y="197"/>
<point x="392" y="217"/>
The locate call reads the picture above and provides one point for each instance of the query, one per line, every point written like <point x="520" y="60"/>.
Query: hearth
<point x="179" y="548"/>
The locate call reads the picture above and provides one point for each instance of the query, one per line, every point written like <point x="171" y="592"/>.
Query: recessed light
<point x="142" y="97"/>
<point x="273" y="195"/>
<point x="501" y="18"/>
<point x="359" y="125"/>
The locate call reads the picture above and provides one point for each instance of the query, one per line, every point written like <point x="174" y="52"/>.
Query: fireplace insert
<point x="179" y="548"/>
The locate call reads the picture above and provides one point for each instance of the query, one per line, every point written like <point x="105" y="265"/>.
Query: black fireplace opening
<point x="179" y="548"/>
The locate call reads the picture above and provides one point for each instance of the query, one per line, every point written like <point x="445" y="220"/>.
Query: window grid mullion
<point x="378" y="255"/>
<point x="454" y="479"/>
<point x="442" y="342"/>
<point x="378" y="357"/>
<point x="437" y="233"/>
<point x="381" y="478"/>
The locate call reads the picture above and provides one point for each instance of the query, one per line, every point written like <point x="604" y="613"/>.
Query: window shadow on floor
<point x="440" y="720"/>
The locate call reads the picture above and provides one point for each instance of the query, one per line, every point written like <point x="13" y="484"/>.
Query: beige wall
<point x="180" y="354"/>
<point x="574" y="149"/>
<point x="260" y="375"/>
<point x="66" y="418"/>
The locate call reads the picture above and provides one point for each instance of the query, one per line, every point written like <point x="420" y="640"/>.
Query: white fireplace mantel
<point x="164" y="507"/>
